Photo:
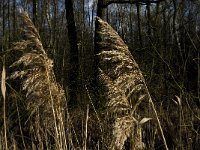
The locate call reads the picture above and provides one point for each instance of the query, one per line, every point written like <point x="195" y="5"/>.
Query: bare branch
<point x="131" y="2"/>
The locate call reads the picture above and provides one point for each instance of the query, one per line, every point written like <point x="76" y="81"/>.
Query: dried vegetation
<point x="42" y="119"/>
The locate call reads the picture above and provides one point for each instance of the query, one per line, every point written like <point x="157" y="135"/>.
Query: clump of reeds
<point x="123" y="87"/>
<point x="45" y="100"/>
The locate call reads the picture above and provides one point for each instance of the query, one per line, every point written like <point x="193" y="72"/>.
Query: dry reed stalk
<point x="3" y="90"/>
<point x="44" y="96"/>
<point x="123" y="87"/>
<point x="86" y="128"/>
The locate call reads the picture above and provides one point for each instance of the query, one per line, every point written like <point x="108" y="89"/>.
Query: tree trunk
<point x="149" y="20"/>
<point x="35" y="12"/>
<point x="14" y="19"/>
<point x="101" y="12"/>
<point x="73" y="53"/>
<point x="139" y="24"/>
<point x="9" y="27"/>
<point x="3" y="24"/>
<point x="55" y="27"/>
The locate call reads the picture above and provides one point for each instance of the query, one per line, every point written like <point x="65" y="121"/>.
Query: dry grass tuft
<point x="44" y="96"/>
<point x="123" y="85"/>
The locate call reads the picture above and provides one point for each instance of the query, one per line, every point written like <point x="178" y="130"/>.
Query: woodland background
<point x="163" y="37"/>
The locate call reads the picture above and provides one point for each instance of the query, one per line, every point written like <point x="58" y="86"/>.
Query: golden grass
<point x="51" y="126"/>
<point x="45" y="99"/>
<point x="123" y="86"/>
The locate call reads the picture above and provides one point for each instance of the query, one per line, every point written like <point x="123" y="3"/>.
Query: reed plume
<point x="123" y="86"/>
<point x="44" y="96"/>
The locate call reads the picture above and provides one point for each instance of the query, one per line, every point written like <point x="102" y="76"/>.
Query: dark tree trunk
<point x="55" y="27"/>
<point x="131" y="28"/>
<point x="149" y="20"/>
<point x="35" y="12"/>
<point x="73" y="53"/>
<point x="3" y="23"/>
<point x="14" y="19"/>
<point x="101" y="11"/>
<point x="139" y="25"/>
<point x="9" y="27"/>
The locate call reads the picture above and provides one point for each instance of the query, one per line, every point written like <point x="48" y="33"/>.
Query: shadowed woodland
<point x="100" y="74"/>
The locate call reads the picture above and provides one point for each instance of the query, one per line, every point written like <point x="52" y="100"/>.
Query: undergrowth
<point x="35" y="115"/>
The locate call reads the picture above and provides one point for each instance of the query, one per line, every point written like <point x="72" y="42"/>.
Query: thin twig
<point x="86" y="127"/>
<point x="94" y="108"/>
